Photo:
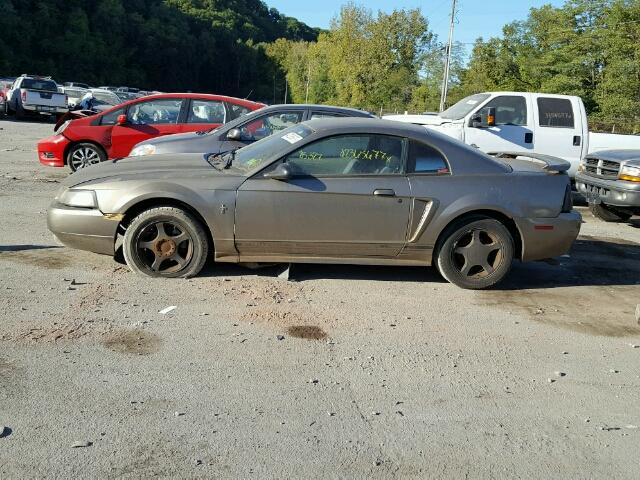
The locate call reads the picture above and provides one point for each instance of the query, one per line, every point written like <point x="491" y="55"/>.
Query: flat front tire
<point x="166" y="242"/>
<point x="475" y="253"/>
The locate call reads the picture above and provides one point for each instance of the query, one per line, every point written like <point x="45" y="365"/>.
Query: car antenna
<point x="247" y="97"/>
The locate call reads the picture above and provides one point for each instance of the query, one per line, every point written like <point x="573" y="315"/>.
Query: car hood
<point x="176" y="137"/>
<point x="430" y="120"/>
<point x="616" y="155"/>
<point x="191" y="142"/>
<point x="150" y="167"/>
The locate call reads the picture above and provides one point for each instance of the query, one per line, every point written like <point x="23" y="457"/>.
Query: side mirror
<point x="489" y="116"/>
<point x="234" y="134"/>
<point x="281" y="172"/>
<point x="484" y="118"/>
<point x="121" y="120"/>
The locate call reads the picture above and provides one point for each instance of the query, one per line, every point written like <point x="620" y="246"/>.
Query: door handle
<point x="384" y="192"/>
<point x="528" y="137"/>
<point x="577" y="140"/>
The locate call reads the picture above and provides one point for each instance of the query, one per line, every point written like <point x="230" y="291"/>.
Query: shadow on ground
<point x="21" y="248"/>
<point x="592" y="262"/>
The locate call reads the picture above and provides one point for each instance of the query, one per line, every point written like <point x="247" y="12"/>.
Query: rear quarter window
<point x="555" y="112"/>
<point x="426" y="159"/>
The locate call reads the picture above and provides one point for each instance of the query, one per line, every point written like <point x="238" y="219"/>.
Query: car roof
<point x="373" y="125"/>
<point x="196" y="96"/>
<point x="320" y="108"/>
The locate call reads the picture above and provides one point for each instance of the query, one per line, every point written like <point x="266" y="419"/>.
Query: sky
<point x="475" y="18"/>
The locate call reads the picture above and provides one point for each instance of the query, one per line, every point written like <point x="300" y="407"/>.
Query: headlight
<point x="145" y="149"/>
<point x="79" y="198"/>
<point x="62" y="127"/>
<point x="630" y="173"/>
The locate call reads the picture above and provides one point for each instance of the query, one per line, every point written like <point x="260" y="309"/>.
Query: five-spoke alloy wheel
<point x="475" y="252"/>
<point x="165" y="242"/>
<point x="83" y="155"/>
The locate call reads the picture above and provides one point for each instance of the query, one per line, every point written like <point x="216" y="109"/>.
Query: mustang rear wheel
<point x="84" y="154"/>
<point x="165" y="242"/>
<point x="475" y="253"/>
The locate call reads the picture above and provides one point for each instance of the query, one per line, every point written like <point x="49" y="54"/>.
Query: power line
<point x="445" y="80"/>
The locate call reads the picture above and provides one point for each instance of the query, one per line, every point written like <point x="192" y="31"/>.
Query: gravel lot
<point x="348" y="372"/>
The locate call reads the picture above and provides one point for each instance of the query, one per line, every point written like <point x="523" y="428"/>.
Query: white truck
<point x="31" y="94"/>
<point x="528" y="122"/>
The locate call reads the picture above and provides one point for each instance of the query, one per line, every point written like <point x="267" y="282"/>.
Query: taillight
<point x="567" y="204"/>
<point x="24" y="95"/>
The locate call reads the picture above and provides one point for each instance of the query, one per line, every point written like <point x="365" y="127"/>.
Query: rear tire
<point x="83" y="155"/>
<point x="475" y="252"/>
<point x="166" y="242"/>
<point x="607" y="213"/>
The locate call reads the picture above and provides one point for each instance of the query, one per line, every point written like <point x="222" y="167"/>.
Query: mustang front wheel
<point x="165" y="242"/>
<point x="475" y="253"/>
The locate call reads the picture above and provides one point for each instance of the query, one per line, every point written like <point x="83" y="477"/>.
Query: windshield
<point x="464" y="106"/>
<point x="33" y="84"/>
<point x="257" y="154"/>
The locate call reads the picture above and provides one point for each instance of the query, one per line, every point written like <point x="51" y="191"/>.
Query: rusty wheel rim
<point x="164" y="247"/>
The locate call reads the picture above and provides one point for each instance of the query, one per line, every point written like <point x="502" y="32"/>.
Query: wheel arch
<point x="508" y="222"/>
<point x="147" y="203"/>
<point x="73" y="143"/>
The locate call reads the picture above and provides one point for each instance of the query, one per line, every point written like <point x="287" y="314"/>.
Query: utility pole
<point x="447" y="61"/>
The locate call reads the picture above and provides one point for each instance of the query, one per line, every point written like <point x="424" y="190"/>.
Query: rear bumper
<point x="38" y="109"/>
<point x="611" y="192"/>
<point x="548" y="237"/>
<point x="81" y="228"/>
<point x="51" y="150"/>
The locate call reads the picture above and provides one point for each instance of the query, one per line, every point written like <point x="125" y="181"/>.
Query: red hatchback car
<point x="113" y="133"/>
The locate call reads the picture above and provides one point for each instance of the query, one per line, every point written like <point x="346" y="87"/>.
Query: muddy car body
<point x="362" y="191"/>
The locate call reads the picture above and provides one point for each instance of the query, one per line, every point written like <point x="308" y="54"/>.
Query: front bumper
<point x="619" y="193"/>
<point x="82" y="228"/>
<point x="548" y="237"/>
<point x="51" y="150"/>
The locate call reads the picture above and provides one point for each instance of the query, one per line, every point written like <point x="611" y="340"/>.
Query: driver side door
<point x="348" y="197"/>
<point x="145" y="120"/>
<point x="513" y="129"/>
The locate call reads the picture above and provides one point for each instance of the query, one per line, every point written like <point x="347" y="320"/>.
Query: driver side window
<point x="510" y="110"/>
<point x="268" y="125"/>
<point x="349" y="155"/>
<point x="157" y="111"/>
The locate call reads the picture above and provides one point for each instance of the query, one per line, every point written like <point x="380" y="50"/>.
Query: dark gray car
<point x="242" y="131"/>
<point x="363" y="191"/>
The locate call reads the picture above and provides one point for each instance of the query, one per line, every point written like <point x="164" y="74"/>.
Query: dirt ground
<point x="346" y="372"/>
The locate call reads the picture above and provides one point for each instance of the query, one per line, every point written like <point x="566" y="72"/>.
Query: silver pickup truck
<point x="610" y="181"/>
<point x="31" y="94"/>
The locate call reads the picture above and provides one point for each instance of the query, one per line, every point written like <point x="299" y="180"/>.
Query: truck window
<point x="464" y="106"/>
<point x="510" y="109"/>
<point x="34" y="84"/>
<point x="555" y="112"/>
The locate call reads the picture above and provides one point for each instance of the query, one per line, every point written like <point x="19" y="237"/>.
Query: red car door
<point x="146" y="119"/>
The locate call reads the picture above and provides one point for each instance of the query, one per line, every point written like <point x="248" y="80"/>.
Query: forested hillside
<point x="199" y="45"/>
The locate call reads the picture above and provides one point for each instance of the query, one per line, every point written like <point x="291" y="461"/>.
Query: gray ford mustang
<point x="361" y="191"/>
